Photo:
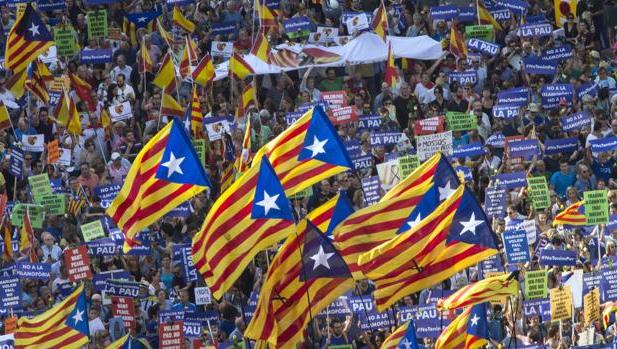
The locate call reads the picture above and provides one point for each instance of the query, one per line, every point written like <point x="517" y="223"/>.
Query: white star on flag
<point x="471" y="224"/>
<point x="405" y="343"/>
<point x="445" y="192"/>
<point x="142" y="19"/>
<point x="317" y="147"/>
<point x="415" y="222"/>
<point x="78" y="316"/>
<point x="173" y="165"/>
<point x="269" y="202"/>
<point x="321" y="258"/>
<point x="34" y="29"/>
<point x="474" y="320"/>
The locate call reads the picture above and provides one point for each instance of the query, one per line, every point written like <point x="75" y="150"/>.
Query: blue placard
<point x="107" y="193"/>
<point x="471" y="149"/>
<point x="491" y="264"/>
<point x="524" y="147"/>
<point x="16" y="162"/>
<point x="591" y="280"/>
<point x="50" y="5"/>
<point x="517" y="6"/>
<point x="99" y="280"/>
<point x="296" y="24"/>
<point x="102" y="247"/>
<point x="251" y="306"/>
<point x="536" y="19"/>
<point x="361" y="162"/>
<point x="612" y="223"/>
<point x="535" y="30"/>
<point x="518" y="96"/>
<point x="516" y="246"/>
<point x="560" y="145"/>
<point x="384" y="138"/>
<point x="467" y="14"/>
<point x="445" y="13"/>
<point x="183" y="251"/>
<point x="292" y="117"/>
<point x="537" y="65"/>
<point x="603" y="145"/>
<point x="496" y="140"/>
<point x="538" y="307"/>
<point x="501" y="15"/>
<point x="466" y="171"/>
<point x="511" y="180"/>
<point x="553" y="94"/>
<point x="122" y="288"/>
<point x="353" y="148"/>
<point x="608" y="284"/>
<point x="575" y="121"/>
<point x="495" y="201"/>
<point x="373" y="320"/>
<point x="558" y="54"/>
<point x="557" y="257"/>
<point x="338" y="308"/>
<point x="9" y="293"/>
<point x="369" y="121"/>
<point x="360" y="304"/>
<point x="39" y="271"/>
<point x="183" y="210"/>
<point x="103" y="55"/>
<point x="505" y="111"/>
<point x="171" y="3"/>
<point x="590" y="89"/>
<point x="463" y="78"/>
<point x="427" y="318"/>
<point x="171" y="315"/>
<point x="479" y="45"/>
<point x="224" y="28"/>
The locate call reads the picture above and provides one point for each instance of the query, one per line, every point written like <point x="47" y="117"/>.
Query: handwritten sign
<point x="561" y="303"/>
<point x="596" y="207"/>
<point x="92" y="230"/>
<point x="407" y="164"/>
<point x="536" y="284"/>
<point x="591" y="306"/>
<point x="65" y="41"/>
<point x="538" y="191"/>
<point x="78" y="263"/>
<point x="97" y="24"/>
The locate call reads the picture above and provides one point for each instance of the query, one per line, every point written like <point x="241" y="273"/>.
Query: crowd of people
<point x="101" y="156"/>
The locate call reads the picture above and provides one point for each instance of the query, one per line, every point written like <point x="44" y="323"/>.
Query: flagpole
<point x="478" y="11"/>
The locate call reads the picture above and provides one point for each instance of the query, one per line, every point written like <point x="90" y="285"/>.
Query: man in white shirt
<point x="121" y="68"/>
<point x="50" y="249"/>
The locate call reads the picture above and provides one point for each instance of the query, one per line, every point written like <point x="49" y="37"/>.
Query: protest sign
<point x="121" y="111"/>
<point x="608" y="284"/>
<point x="575" y="121"/>
<point x="224" y="29"/>
<point x="65" y="40"/>
<point x="536" y="284"/>
<point x="35" y="212"/>
<point x="467" y="14"/>
<point x="92" y="230"/>
<point x="557" y="257"/>
<point x="371" y="190"/>
<point x="54" y="203"/>
<point x="369" y="121"/>
<point x="523" y="148"/>
<point x="429" y="126"/>
<point x="603" y="145"/>
<point x="77" y="263"/>
<point x="591" y="306"/>
<point x="596" y="207"/>
<point x="529" y="226"/>
<point x="122" y="288"/>
<point x="53" y="152"/>
<point x="486" y="47"/>
<point x="171" y="335"/>
<point x="98" y="56"/>
<point x="323" y="35"/>
<point x="495" y="201"/>
<point x="539" y="193"/>
<point x="427" y="145"/>
<point x="384" y="138"/>
<point x="200" y="148"/>
<point x="182" y="252"/>
<point x="560" y="146"/>
<point x="102" y="247"/>
<point x="10" y="292"/>
<point x="511" y="180"/>
<point x="340" y="307"/>
<point x="39" y="271"/>
<point x="463" y="78"/>
<point x="518" y="96"/>
<point x="537" y="307"/>
<point x="343" y="115"/>
<point x="334" y="99"/>
<point x="516" y="246"/>
<point x="372" y="320"/>
<point x="222" y="49"/>
<point x="97" y="24"/>
<point x="505" y="111"/>
<point x="557" y="54"/>
<point x="445" y="13"/>
<point x="561" y="303"/>
<point x="10" y="325"/>
<point x="461" y="121"/>
<point x="100" y="279"/>
<point x="357" y="23"/>
<point x="16" y="163"/>
<point x="33" y="143"/>
<point x="107" y="193"/>
<point x="485" y="32"/>
<point x="202" y="295"/>
<point x="363" y="161"/>
<point x="552" y="95"/>
<point x="587" y="89"/>
<point x="536" y="65"/>
<point x="407" y="164"/>
<point x="124" y="307"/>
<point x="468" y="150"/>
<point x="297" y="27"/>
<point x="535" y="30"/>
<point x="39" y="186"/>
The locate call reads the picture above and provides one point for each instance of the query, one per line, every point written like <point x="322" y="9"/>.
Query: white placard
<point x="357" y="23"/>
<point x="222" y="49"/>
<point x="202" y="295"/>
<point x="65" y="157"/>
<point x="120" y="111"/>
<point x="33" y="143"/>
<point x="217" y="129"/>
<point x="430" y="144"/>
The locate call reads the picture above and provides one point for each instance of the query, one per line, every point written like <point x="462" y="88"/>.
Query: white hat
<point x="115" y="156"/>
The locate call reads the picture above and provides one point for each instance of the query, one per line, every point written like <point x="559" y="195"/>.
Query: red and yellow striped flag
<point x="390" y="73"/>
<point x="261" y="47"/>
<point x="27" y="40"/>
<point x="16" y="83"/>
<point x="457" y="44"/>
<point x="197" y="117"/>
<point x="5" y="119"/>
<point x="66" y="114"/>
<point x="455" y="335"/>
<point x="380" y="22"/>
<point x="164" y="33"/>
<point x="185" y="62"/>
<point x="485" y="17"/>
<point x="243" y="161"/>
<point x="83" y="90"/>
<point x="204" y="73"/>
<point x="608" y="309"/>
<point x="493" y="288"/>
<point x="227" y="175"/>
<point x="572" y="215"/>
<point x="166" y="77"/>
<point x="144" y="61"/>
<point x="38" y="74"/>
<point x="170" y="107"/>
<point x="27" y="239"/>
<point x="238" y="67"/>
<point x="267" y="18"/>
<point x="247" y="101"/>
<point x="7" y="253"/>
<point x="182" y="22"/>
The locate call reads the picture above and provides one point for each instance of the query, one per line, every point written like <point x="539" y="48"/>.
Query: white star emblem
<point x="78" y="316"/>
<point x="34" y="29"/>
<point x="142" y="19"/>
<point x="471" y="224"/>
<point x="474" y="320"/>
<point x="173" y="165"/>
<point x="269" y="202"/>
<point x="317" y="147"/>
<point x="415" y="222"/>
<point x="321" y="258"/>
<point x="405" y="344"/>
<point x="445" y="192"/>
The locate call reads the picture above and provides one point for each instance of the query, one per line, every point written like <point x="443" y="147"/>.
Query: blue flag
<point x="409" y="341"/>
<point x="270" y="200"/>
<point x="322" y="142"/>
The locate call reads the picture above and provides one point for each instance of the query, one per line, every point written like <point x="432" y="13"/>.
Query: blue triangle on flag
<point x="425" y="207"/>
<point x="470" y="224"/>
<point x="342" y="209"/>
<point x="320" y="258"/>
<point x="78" y="318"/>
<point x="31" y="27"/>
<point x="180" y="163"/>
<point x="321" y="142"/>
<point x="270" y="200"/>
<point x="142" y="19"/>
<point x="409" y="340"/>
<point x="477" y="325"/>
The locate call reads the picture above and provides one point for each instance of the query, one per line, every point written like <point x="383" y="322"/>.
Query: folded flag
<point x="490" y="289"/>
<point x="169" y="106"/>
<point x="261" y="47"/>
<point x="379" y="24"/>
<point x="17" y="83"/>
<point x="38" y="74"/>
<point x="27" y="40"/>
<point x="165" y="173"/>
<point x="608" y="309"/>
<point x="5" y="119"/>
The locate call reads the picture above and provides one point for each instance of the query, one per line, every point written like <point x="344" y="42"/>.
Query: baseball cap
<point x="115" y="156"/>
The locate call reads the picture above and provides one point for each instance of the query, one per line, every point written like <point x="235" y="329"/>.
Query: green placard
<point x="485" y="32"/>
<point x="407" y="164"/>
<point x="536" y="284"/>
<point x="200" y="148"/>
<point x="97" y="24"/>
<point x="54" y="203"/>
<point x="36" y="212"/>
<point x="538" y="191"/>
<point x="65" y="41"/>
<point x="596" y="207"/>
<point x="305" y="193"/>
<point x="39" y="186"/>
<point x="92" y="230"/>
<point x="461" y="121"/>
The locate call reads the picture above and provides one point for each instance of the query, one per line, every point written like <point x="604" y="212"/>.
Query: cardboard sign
<point x="343" y="115"/>
<point x="461" y="121"/>
<point x="97" y="24"/>
<point x="539" y="193"/>
<point x="120" y="111"/>
<point x="33" y="143"/>
<point x="124" y="307"/>
<point x="92" y="230"/>
<point x="202" y="295"/>
<point x="53" y="152"/>
<point x="591" y="306"/>
<point x="65" y="39"/>
<point x="561" y="303"/>
<point x="334" y="99"/>
<point x="407" y="164"/>
<point x="357" y="23"/>
<point x="78" y="263"/>
<point x="171" y="335"/>
<point x="430" y="144"/>
<point x="536" y="284"/>
<point x="200" y="148"/>
<point x="222" y="49"/>
<point x="54" y="203"/>
<point x="596" y="207"/>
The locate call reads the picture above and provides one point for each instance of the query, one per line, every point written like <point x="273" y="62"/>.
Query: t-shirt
<point x="561" y="182"/>
<point x="603" y="171"/>
<point x="331" y="85"/>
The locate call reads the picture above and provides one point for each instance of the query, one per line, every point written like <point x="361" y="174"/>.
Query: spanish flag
<point x="572" y="215"/>
<point x="185" y="62"/>
<point x="267" y="18"/>
<point x="144" y="60"/>
<point x="485" y="17"/>
<point x="166" y="77"/>
<point x="248" y="100"/>
<point x="165" y="173"/>
<point x="564" y="8"/>
<point x="197" y="117"/>
<point x="8" y="241"/>
<point x="16" y="83"/>
<point x="181" y="22"/>
<point x="390" y="73"/>
<point x="490" y="289"/>
<point x="261" y="47"/>
<point x="204" y="73"/>
<point x="5" y="119"/>
<point x="164" y="33"/>
<point x="83" y="90"/>
<point x="26" y="239"/>
<point x="66" y="114"/>
<point x="238" y="67"/>
<point x="379" y="24"/>
<point x="457" y="44"/>
<point x="27" y="39"/>
<point x="169" y="106"/>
